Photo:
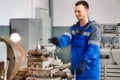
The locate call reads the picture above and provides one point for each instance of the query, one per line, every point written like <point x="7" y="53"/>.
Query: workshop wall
<point x="14" y="9"/>
<point x="19" y="9"/>
<point x="103" y="11"/>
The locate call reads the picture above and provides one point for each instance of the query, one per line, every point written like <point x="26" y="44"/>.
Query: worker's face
<point x="81" y="12"/>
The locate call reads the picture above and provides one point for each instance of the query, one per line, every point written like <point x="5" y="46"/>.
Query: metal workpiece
<point x="41" y="66"/>
<point x="45" y="66"/>
<point x="15" y="57"/>
<point x="2" y="70"/>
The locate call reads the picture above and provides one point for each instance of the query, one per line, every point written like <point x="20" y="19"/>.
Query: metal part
<point x="2" y="70"/>
<point x="43" y="65"/>
<point x="16" y="56"/>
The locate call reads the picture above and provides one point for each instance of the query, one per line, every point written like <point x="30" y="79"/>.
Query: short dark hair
<point x="84" y="3"/>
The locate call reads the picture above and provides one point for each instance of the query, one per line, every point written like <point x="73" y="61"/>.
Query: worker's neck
<point x="83" y="22"/>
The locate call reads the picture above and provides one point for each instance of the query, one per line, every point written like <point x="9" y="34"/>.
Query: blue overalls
<point x="85" y="47"/>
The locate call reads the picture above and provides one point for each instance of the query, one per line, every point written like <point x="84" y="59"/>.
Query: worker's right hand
<point x="81" y="67"/>
<point x="54" y="40"/>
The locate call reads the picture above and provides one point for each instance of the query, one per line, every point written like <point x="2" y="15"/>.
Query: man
<point x="84" y="37"/>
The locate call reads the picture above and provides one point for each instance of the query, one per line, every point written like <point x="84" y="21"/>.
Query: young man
<point x="84" y="37"/>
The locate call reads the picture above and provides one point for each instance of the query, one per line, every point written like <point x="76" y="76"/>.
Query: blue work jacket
<point x="84" y="47"/>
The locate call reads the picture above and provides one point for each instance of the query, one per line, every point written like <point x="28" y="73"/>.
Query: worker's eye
<point x="77" y="11"/>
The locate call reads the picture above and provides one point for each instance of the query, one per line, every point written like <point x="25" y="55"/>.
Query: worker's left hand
<point x="54" y="40"/>
<point x="81" y="67"/>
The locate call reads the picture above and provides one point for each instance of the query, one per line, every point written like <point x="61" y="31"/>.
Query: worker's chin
<point x="79" y="19"/>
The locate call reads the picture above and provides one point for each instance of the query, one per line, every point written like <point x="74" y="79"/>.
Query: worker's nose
<point x="76" y="13"/>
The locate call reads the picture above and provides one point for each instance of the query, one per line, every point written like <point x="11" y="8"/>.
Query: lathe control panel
<point x="111" y="29"/>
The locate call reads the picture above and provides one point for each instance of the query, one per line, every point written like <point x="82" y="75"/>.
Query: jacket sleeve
<point x="93" y="50"/>
<point x="65" y="39"/>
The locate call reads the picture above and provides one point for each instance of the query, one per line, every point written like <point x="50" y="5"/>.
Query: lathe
<point x="40" y="66"/>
